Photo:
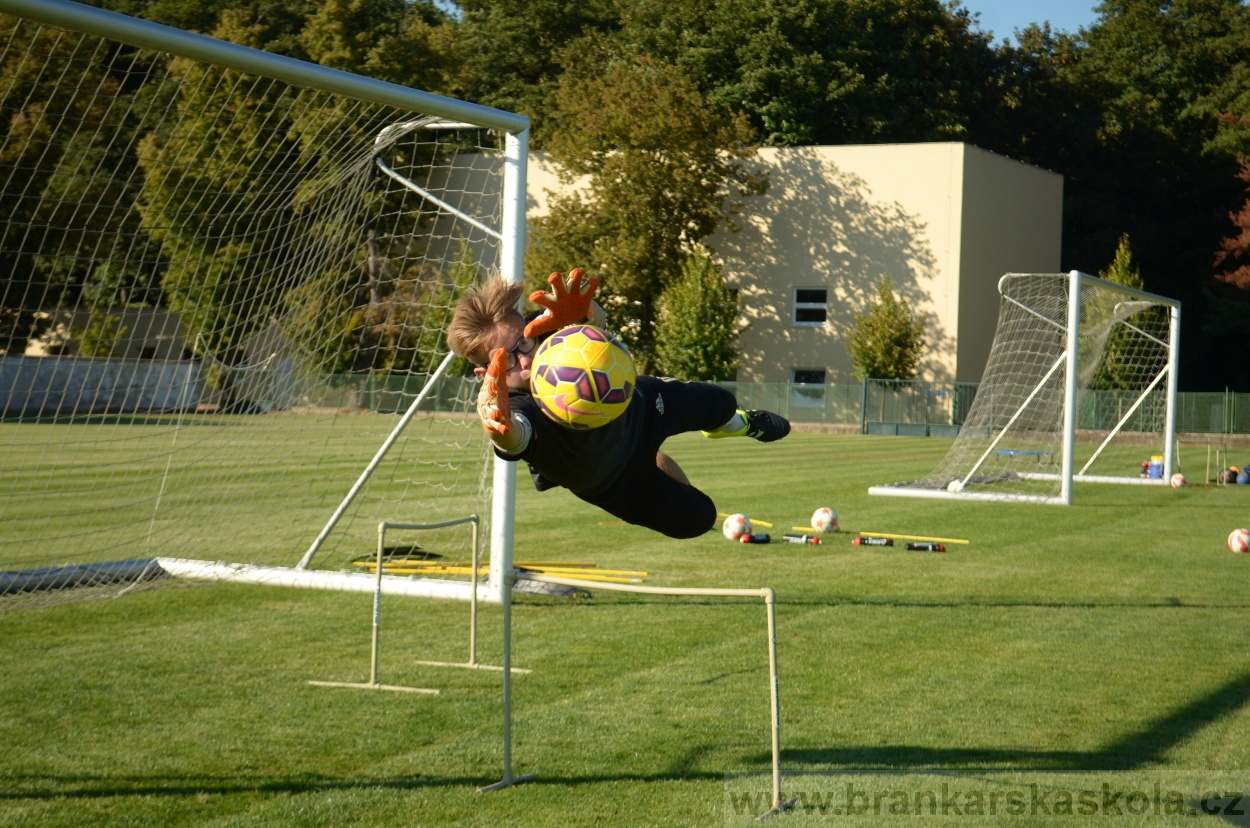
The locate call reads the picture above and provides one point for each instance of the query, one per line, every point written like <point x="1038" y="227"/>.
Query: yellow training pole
<point x="753" y="520"/>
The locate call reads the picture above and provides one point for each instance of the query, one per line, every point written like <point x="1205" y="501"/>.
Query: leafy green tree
<point x="1037" y="110"/>
<point x="101" y="335"/>
<point x="514" y="52"/>
<point x="1232" y="259"/>
<point x="696" y="334"/>
<point x="658" y="165"/>
<point x="827" y="71"/>
<point x="401" y="41"/>
<point x="93" y="239"/>
<point x="1123" y="270"/>
<point x="1144" y="114"/>
<point x="1114" y="371"/>
<point x="38" y="96"/>
<point x="274" y="155"/>
<point x="222" y="276"/>
<point x="369" y="318"/>
<point x="885" y="341"/>
<point x="280" y="21"/>
<point x="410" y="323"/>
<point x="91" y="246"/>
<point x="323" y="322"/>
<point x="804" y="71"/>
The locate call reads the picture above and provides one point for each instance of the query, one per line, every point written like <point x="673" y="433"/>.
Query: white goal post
<point x="1080" y="386"/>
<point x="223" y="348"/>
<point x="232" y="274"/>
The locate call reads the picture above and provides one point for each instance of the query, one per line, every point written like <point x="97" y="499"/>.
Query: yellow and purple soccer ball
<point x="582" y="377"/>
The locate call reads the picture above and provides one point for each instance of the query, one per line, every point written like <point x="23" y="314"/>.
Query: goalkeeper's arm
<point x="517" y="438"/>
<point x="509" y="432"/>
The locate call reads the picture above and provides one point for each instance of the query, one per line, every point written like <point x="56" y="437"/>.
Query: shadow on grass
<point x="1147" y="746"/>
<point x="89" y="787"/>
<point x="884" y="603"/>
<point x="105" y="787"/>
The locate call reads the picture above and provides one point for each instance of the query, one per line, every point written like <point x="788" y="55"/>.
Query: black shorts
<point x="644" y="495"/>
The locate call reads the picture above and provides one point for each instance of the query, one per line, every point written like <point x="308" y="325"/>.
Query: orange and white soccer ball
<point x="1178" y="481"/>
<point x="1239" y="540"/>
<point x="825" y="519"/>
<point x="735" y="526"/>
<point x="582" y="377"/>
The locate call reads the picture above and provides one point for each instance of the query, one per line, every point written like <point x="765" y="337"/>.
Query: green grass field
<point x="1108" y="636"/>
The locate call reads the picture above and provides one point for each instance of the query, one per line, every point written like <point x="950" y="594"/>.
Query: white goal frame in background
<point x="1049" y="380"/>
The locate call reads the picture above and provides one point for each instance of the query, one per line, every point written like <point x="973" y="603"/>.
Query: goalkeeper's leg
<point x="669" y="466"/>
<point x="675" y="407"/>
<point x="650" y="497"/>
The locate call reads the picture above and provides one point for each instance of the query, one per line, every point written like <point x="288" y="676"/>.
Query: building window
<point x="811" y="307"/>
<point x="808" y="388"/>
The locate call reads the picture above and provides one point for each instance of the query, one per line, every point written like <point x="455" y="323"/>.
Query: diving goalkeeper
<point x="619" y="466"/>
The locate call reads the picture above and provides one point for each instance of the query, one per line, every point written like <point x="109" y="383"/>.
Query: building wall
<point x="75" y="386"/>
<point x="944" y="220"/>
<point x="1012" y="223"/>
<point x="142" y="333"/>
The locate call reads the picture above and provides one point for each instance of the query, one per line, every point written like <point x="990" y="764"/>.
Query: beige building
<point x="944" y="220"/>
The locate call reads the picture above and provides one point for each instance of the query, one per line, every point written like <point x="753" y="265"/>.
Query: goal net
<point x="1080" y="385"/>
<point x="222" y="327"/>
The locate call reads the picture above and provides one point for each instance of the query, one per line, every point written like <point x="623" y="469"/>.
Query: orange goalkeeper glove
<point x="566" y="304"/>
<point x="495" y="408"/>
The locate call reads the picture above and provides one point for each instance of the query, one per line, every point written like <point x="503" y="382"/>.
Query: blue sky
<point x="1003" y="17"/>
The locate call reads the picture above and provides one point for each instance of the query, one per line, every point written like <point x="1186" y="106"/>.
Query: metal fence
<point x="938" y="409"/>
<point x="903" y="407"/>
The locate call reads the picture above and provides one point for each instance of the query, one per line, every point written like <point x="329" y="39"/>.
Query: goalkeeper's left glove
<point x="566" y="304"/>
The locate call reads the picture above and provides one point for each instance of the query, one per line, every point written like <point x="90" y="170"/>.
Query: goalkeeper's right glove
<point x="494" y="408"/>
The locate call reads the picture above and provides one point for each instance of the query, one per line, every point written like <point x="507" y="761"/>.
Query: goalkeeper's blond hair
<point x="476" y="316"/>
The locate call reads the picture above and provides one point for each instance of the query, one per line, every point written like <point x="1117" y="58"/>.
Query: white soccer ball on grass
<point x="735" y="526"/>
<point x="825" y="519"/>
<point x="1239" y="540"/>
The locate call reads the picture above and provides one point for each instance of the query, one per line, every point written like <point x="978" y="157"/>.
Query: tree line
<point x="655" y="105"/>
